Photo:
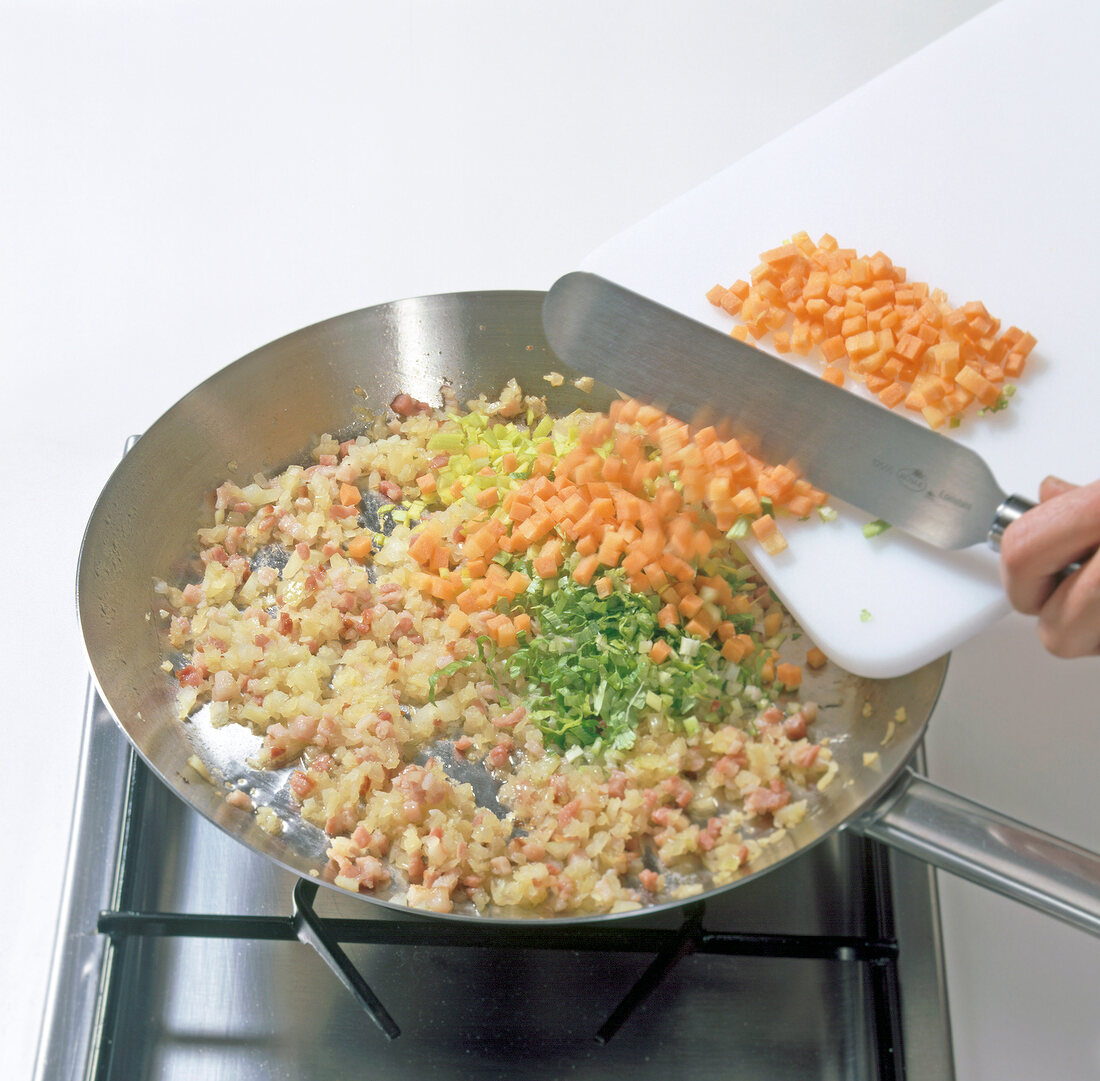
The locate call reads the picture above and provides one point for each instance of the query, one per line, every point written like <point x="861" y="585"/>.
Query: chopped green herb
<point x="589" y="679"/>
<point x="865" y="616"/>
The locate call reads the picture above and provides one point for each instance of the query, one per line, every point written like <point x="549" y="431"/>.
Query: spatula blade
<point x="891" y="467"/>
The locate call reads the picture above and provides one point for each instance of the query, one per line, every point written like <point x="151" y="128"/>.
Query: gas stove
<point x="181" y="954"/>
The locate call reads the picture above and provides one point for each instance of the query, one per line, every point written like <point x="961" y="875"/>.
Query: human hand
<point x="1063" y="528"/>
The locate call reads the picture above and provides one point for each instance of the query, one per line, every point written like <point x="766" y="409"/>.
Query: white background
<point x="182" y="182"/>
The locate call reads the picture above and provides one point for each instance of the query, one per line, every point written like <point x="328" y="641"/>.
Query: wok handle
<point x="963" y="837"/>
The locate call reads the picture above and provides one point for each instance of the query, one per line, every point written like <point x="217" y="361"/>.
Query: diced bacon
<point x="303" y="727"/>
<point x="794" y="727"/>
<point x="761" y="801"/>
<point x="341" y="822"/>
<point x="267" y="576"/>
<point x="190" y="676"/>
<point x="233" y="537"/>
<point x="772" y="715"/>
<point x="239" y="798"/>
<point x="708" y="835"/>
<point x="301" y="784"/>
<point x="402" y="627"/>
<point x="404" y="405"/>
<point x="499" y="755"/>
<point x="616" y="783"/>
<point x="392" y="491"/>
<point x="805" y="756"/>
<point x="512" y="719"/>
<point x="193" y="593"/>
<point x="372" y="872"/>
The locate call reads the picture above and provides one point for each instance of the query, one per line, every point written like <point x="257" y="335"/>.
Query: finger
<point x="1054" y="486"/>
<point x="1041" y="543"/>
<point x="1069" y="622"/>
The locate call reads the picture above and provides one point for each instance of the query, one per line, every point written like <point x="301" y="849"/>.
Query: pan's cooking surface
<point x="260" y="414"/>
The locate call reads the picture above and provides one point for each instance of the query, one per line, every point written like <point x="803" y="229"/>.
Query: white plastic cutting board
<point x="974" y="164"/>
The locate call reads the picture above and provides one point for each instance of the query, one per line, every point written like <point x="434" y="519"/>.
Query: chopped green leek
<point x="589" y="682"/>
<point x="740" y="529"/>
<point x="873" y="529"/>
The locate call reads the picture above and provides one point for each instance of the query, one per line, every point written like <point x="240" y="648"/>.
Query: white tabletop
<point x="184" y="181"/>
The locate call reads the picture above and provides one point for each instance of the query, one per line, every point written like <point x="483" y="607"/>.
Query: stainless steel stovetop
<point x="178" y="957"/>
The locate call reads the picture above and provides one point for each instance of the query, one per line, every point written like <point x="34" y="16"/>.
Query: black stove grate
<point x="126" y="923"/>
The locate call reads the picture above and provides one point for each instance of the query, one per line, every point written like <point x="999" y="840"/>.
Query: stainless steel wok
<point x="260" y="414"/>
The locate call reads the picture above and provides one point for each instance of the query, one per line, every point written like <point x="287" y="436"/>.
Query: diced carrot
<point x="764" y="526"/>
<point x="668" y="616"/>
<point x="815" y="658"/>
<point x="861" y="311"/>
<point x="585" y="569"/>
<point x="715" y="294"/>
<point x="790" y="675"/>
<point x="360" y="547"/>
<point x="972" y="380"/>
<point x="734" y="649"/>
<point x="892" y="395"/>
<point x="445" y="589"/>
<point x="349" y="495"/>
<point x="587" y="545"/>
<point x="659" y="651"/>
<point x="425" y="542"/>
<point x="458" y="620"/>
